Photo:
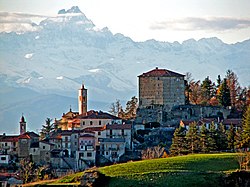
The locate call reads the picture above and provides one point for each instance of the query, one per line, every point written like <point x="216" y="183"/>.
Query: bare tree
<point x="152" y="152"/>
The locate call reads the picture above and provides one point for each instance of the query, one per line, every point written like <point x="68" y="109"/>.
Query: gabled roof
<point x="12" y="138"/>
<point x="119" y="126"/>
<point x="161" y="73"/>
<point x="98" y="115"/>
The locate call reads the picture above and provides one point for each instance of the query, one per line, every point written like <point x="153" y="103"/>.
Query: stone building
<point x="161" y="87"/>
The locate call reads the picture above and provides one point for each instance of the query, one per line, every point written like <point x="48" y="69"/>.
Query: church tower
<point x="22" y="125"/>
<point x="82" y="100"/>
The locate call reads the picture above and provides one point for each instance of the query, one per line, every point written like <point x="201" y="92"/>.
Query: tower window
<point x="91" y="122"/>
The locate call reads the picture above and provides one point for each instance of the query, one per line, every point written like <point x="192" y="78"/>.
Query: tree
<point x="195" y="93"/>
<point x="212" y="138"/>
<point x="218" y="81"/>
<point x="231" y="137"/>
<point x="233" y="85"/>
<point x="188" y="82"/>
<point x="153" y="152"/>
<point x="221" y="138"/>
<point x="223" y="94"/>
<point x="192" y="138"/>
<point x="246" y="129"/>
<point x="204" y="139"/>
<point x="47" y="129"/>
<point x="26" y="170"/>
<point x="116" y="108"/>
<point x="131" y="107"/>
<point x="178" y="146"/>
<point x="207" y="88"/>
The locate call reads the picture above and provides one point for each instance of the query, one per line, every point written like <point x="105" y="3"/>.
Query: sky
<point x="162" y="20"/>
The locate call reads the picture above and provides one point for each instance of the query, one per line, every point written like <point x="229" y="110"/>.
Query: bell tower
<point x="22" y="125"/>
<point x="82" y="100"/>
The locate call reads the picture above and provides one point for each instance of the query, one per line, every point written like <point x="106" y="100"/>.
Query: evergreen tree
<point x="178" y="146"/>
<point x="47" y="129"/>
<point x="188" y="81"/>
<point x="131" y="108"/>
<point x="246" y="129"/>
<point x="231" y="137"/>
<point x="212" y="138"/>
<point x="218" y="81"/>
<point x="238" y="138"/>
<point x="223" y="94"/>
<point x="221" y="137"/>
<point x="204" y="139"/>
<point x="208" y="90"/>
<point x="192" y="138"/>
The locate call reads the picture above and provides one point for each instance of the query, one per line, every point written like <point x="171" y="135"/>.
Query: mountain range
<point x="43" y="68"/>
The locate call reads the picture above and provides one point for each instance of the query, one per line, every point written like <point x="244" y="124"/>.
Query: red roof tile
<point x="161" y="73"/>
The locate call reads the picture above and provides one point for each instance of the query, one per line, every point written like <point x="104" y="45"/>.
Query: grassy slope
<point x="191" y="170"/>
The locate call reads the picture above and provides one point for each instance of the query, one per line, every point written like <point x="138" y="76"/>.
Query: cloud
<point x="210" y="23"/>
<point x="19" y="22"/>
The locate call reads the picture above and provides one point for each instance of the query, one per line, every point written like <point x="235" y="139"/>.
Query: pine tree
<point x="131" y="108"/>
<point x="204" y="139"/>
<point x="47" y="129"/>
<point x="208" y="90"/>
<point x="178" y="146"/>
<point x="192" y="138"/>
<point x="238" y="138"/>
<point x="233" y="85"/>
<point x="212" y="138"/>
<point x="223" y="94"/>
<point x="246" y="129"/>
<point x="221" y="139"/>
<point x="231" y="138"/>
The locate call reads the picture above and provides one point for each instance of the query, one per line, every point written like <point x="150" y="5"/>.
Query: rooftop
<point x="98" y="115"/>
<point x="161" y="73"/>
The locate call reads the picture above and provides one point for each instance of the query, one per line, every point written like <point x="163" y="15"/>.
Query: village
<point x="86" y="138"/>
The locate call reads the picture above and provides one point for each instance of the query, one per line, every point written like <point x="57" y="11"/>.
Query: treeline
<point x="203" y="140"/>
<point x="225" y="92"/>
<point x="129" y="112"/>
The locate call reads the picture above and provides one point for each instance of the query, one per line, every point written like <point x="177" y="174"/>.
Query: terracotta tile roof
<point x="5" y="138"/>
<point x="119" y="126"/>
<point x="161" y="73"/>
<point x="24" y="136"/>
<point x="98" y="115"/>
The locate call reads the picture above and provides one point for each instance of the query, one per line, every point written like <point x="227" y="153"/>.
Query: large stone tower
<point x="22" y="125"/>
<point x="161" y="87"/>
<point x="82" y="100"/>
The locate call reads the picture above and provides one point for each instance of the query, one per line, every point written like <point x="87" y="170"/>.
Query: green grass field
<point x="191" y="170"/>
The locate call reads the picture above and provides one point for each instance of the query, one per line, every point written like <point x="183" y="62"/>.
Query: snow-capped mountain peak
<point x="73" y="9"/>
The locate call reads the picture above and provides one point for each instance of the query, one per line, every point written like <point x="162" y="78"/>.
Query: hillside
<point x="191" y="170"/>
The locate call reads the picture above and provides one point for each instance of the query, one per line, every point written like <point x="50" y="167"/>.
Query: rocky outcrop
<point x="93" y="179"/>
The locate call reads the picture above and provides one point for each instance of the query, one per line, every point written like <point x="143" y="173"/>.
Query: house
<point x="123" y="131"/>
<point x="86" y="153"/>
<point x="4" y="159"/>
<point x="97" y="119"/>
<point x="237" y="123"/>
<point x="204" y="121"/>
<point x="9" y="144"/>
<point x="24" y="142"/>
<point x="112" y="148"/>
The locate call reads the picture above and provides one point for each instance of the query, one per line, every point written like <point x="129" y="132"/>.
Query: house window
<point x="75" y="136"/>
<point x="89" y="154"/>
<point x="34" y="150"/>
<point x="66" y="138"/>
<point x="43" y="147"/>
<point x="66" y="145"/>
<point x="99" y="133"/>
<point x="100" y="122"/>
<point x="75" y="143"/>
<point x="6" y="144"/>
<point x="81" y="146"/>
<point x="83" y="123"/>
<point x="81" y="155"/>
<point x="3" y="158"/>
<point x="91" y="122"/>
<point x="110" y="132"/>
<point x="122" y="132"/>
<point x="107" y="153"/>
